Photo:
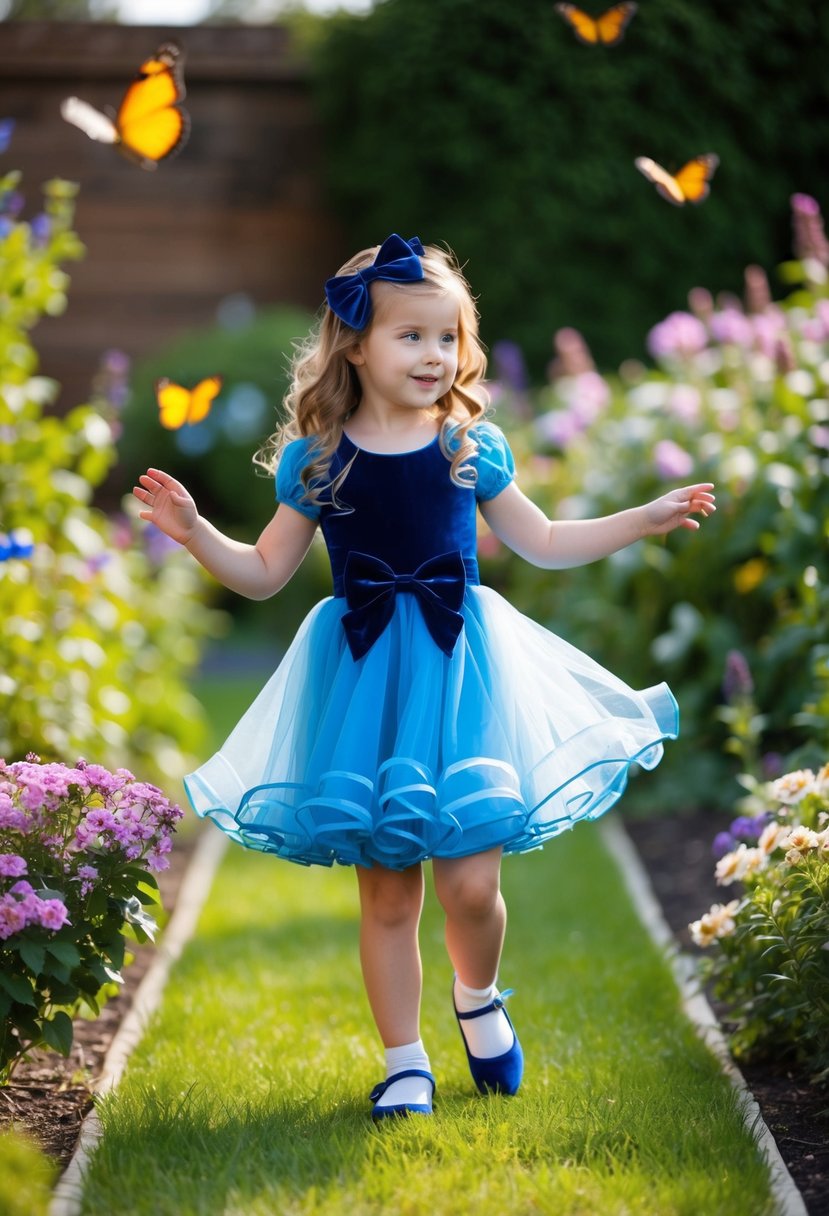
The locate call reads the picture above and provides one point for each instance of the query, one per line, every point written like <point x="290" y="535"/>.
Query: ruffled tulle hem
<point x="408" y="753"/>
<point x="350" y="820"/>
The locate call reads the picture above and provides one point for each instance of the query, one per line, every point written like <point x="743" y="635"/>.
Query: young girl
<point x="416" y="715"/>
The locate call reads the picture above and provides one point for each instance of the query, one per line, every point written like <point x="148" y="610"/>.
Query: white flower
<point x="801" y="838"/>
<point x="731" y="867"/>
<point x="753" y="860"/>
<point x="792" y="787"/>
<point x="822" y="781"/>
<point x="772" y="836"/>
<point x="717" y="922"/>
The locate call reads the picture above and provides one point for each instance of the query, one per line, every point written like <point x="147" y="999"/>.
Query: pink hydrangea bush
<point x="78" y="845"/>
<point x="769" y="946"/>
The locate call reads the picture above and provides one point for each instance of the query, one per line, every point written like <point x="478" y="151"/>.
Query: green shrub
<point x="96" y="633"/>
<point x="487" y="125"/>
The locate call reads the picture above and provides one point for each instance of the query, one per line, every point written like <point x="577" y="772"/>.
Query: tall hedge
<point x="488" y="125"/>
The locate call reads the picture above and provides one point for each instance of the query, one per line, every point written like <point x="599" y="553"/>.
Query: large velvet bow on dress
<point x="397" y="261"/>
<point x="371" y="588"/>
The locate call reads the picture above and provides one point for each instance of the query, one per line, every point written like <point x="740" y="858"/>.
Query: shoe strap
<point x="498" y="1003"/>
<point x="381" y="1088"/>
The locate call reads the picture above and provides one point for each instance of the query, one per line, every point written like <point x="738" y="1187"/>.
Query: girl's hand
<point x="169" y="505"/>
<point x="674" y="509"/>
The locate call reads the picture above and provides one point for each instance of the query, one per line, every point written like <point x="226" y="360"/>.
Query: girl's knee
<point x="391" y="898"/>
<point x="471" y="892"/>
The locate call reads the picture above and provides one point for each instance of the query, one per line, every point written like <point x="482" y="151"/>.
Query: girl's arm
<point x="556" y="544"/>
<point x="257" y="571"/>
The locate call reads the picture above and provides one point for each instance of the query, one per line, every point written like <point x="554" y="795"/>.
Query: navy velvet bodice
<point x="403" y="508"/>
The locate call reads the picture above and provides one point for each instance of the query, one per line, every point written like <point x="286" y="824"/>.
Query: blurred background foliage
<point x="101" y="620"/>
<point x="738" y="397"/>
<point x="488" y="126"/>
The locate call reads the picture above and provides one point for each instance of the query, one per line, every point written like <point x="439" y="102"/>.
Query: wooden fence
<point x="239" y="210"/>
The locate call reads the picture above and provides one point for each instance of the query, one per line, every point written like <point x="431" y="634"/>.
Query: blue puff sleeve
<point x="495" y="463"/>
<point x="289" y="488"/>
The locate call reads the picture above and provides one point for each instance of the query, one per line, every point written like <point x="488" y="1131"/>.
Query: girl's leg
<point x="391" y="902"/>
<point x="476" y="918"/>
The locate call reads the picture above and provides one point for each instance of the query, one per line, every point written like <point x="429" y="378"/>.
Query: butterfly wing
<point x="173" y="403"/>
<point x="151" y="122"/>
<point x="611" y="25"/>
<point x="202" y="397"/>
<point x="606" y="30"/>
<point x="582" y="25"/>
<point x="665" y="182"/>
<point x="92" y="122"/>
<point x="694" y="178"/>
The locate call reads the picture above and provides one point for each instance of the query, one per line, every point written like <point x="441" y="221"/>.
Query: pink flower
<point x="53" y="914"/>
<point x="12" y="918"/>
<point x="680" y="335"/>
<point x="559" y="427"/>
<point x="671" y="461"/>
<point x="732" y="328"/>
<point x="12" y="865"/>
<point x="684" y="402"/>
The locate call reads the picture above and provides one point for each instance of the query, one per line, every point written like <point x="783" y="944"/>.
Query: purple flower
<point x="732" y="328"/>
<point x="559" y="427"/>
<point x="12" y="865"/>
<point x="510" y="367"/>
<point x="12" y="918"/>
<point x="684" y="402"/>
<point x="158" y="544"/>
<point x="747" y="828"/>
<point x="41" y="228"/>
<point x="737" y="680"/>
<point x="809" y="239"/>
<point x="6" y="131"/>
<point x="53" y="914"/>
<point x="680" y="335"/>
<point x="671" y="461"/>
<point x="722" y="843"/>
<point x="588" y="395"/>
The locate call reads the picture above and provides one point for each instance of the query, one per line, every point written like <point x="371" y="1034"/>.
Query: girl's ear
<point x="355" y="355"/>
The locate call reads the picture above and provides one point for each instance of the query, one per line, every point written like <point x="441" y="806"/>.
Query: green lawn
<point x="248" y="1095"/>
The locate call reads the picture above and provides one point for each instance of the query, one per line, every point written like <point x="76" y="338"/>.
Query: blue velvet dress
<point x="416" y="713"/>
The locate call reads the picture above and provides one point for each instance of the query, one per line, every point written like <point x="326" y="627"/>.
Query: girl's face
<point x="409" y="357"/>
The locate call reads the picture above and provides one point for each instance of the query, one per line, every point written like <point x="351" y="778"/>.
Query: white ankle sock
<point x="411" y="1090"/>
<point x="489" y="1035"/>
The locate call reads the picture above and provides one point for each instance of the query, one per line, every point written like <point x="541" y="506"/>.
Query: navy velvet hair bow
<point x="397" y="261"/>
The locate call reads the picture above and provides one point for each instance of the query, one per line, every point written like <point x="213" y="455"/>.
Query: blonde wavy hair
<point x="325" y="389"/>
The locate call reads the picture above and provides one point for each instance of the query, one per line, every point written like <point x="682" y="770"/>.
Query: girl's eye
<point x="413" y="335"/>
<point x="448" y="339"/>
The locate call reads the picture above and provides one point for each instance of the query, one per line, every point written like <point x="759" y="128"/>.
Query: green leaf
<point x="33" y="955"/>
<point x="57" y="1032"/>
<point x="66" y="952"/>
<point x="19" y="989"/>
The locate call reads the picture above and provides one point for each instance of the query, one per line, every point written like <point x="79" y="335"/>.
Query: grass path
<point x="249" y="1094"/>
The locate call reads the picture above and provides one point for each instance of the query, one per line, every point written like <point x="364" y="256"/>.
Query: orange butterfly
<point x="178" y="405"/>
<point x="150" y="124"/>
<point x="689" y="185"/>
<point x="606" y="30"/>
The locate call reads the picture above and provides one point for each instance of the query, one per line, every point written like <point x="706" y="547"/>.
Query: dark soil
<point x="50" y="1096"/>
<point x="676" y="852"/>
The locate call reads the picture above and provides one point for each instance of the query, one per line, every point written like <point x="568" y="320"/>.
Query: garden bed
<point x="676" y="852"/>
<point x="51" y="1095"/>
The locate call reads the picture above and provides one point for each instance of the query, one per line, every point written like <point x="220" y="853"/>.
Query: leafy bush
<point x="96" y="632"/>
<point x="739" y="399"/>
<point x="770" y="963"/>
<point x="76" y="845"/>
<point x="488" y="126"/>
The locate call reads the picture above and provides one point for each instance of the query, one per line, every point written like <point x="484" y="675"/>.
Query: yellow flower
<point x="750" y="575"/>
<point x="801" y="838"/>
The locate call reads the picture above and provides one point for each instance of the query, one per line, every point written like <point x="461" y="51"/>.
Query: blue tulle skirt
<point x="408" y="754"/>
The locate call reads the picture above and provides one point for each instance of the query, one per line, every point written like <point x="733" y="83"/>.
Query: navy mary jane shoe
<point x="497" y="1074"/>
<point x="402" y="1109"/>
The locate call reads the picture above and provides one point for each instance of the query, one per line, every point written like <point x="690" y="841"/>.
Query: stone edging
<point x="67" y="1197"/>
<point x="787" y="1197"/>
